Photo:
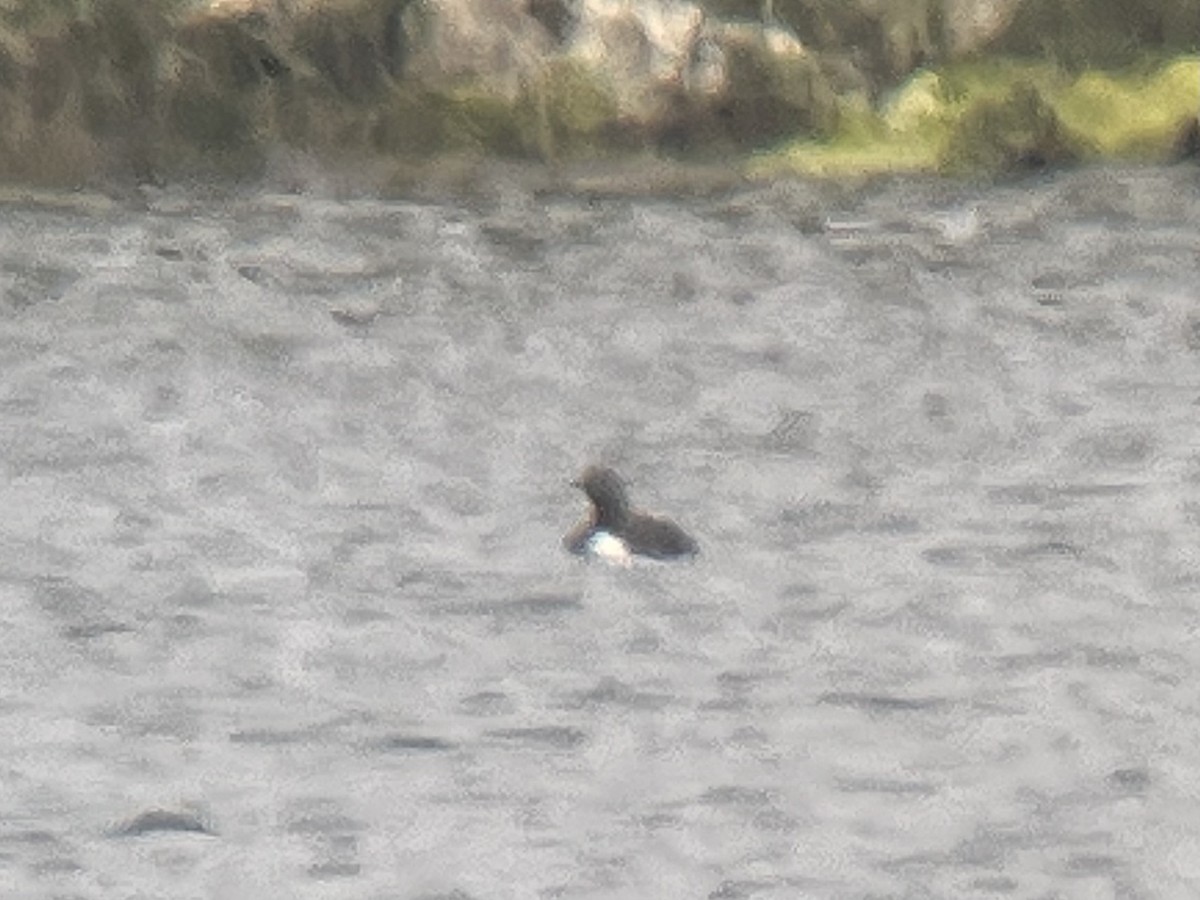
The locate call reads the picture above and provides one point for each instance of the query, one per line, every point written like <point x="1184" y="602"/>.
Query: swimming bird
<point x="614" y="531"/>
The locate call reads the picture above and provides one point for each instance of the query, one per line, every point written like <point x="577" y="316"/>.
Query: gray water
<point x="283" y="610"/>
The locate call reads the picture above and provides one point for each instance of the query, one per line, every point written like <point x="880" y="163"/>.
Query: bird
<point x="616" y="532"/>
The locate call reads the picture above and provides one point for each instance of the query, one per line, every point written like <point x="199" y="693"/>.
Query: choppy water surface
<point x="283" y="610"/>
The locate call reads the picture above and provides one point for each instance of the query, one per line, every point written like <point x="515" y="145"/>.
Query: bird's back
<point x="657" y="537"/>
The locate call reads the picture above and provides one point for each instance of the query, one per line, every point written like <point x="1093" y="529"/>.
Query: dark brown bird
<point x="615" y="530"/>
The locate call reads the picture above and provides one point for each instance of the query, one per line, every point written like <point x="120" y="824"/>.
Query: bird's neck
<point x="610" y="515"/>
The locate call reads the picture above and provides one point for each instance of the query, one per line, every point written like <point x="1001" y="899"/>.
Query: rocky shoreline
<point x="393" y="92"/>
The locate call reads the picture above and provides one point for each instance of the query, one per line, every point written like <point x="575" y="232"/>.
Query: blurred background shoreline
<point x="390" y="96"/>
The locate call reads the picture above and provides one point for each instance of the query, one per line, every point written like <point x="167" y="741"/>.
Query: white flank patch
<point x="611" y="549"/>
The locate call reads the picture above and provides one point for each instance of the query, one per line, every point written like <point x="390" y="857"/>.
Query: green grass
<point x="1133" y="115"/>
<point x="998" y="115"/>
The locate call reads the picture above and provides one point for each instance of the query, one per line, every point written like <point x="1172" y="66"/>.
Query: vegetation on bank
<point x="159" y="89"/>
<point x="1001" y="115"/>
